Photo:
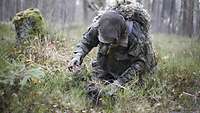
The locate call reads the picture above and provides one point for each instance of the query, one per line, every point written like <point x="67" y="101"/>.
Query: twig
<point x="194" y="96"/>
<point x="185" y="93"/>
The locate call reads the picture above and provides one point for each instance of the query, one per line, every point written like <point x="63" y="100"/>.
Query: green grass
<point x="174" y="87"/>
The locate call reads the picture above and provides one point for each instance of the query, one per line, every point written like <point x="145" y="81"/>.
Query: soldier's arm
<point x="90" y="40"/>
<point x="138" y="68"/>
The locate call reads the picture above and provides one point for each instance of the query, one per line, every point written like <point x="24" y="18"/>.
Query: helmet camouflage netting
<point x="130" y="11"/>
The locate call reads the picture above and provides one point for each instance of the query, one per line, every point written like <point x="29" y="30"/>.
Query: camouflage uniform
<point x="120" y="63"/>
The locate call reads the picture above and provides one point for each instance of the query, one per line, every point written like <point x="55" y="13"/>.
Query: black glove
<point x="75" y="63"/>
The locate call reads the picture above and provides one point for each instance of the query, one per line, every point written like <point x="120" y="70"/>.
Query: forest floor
<point x="45" y="86"/>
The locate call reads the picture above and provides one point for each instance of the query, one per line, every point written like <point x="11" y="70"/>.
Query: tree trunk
<point x="187" y="24"/>
<point x="172" y="27"/>
<point x="197" y="27"/>
<point x="85" y="11"/>
<point x="3" y="9"/>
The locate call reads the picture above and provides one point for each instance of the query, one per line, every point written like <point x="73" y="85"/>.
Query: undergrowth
<point x="40" y="86"/>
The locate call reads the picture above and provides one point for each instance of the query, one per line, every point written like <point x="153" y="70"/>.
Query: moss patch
<point x="29" y="23"/>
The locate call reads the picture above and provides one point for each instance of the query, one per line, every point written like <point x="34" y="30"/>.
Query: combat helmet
<point x="112" y="28"/>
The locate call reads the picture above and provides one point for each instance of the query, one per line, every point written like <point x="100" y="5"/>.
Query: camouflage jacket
<point x="120" y="62"/>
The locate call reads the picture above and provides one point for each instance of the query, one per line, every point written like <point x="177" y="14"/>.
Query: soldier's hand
<point x="74" y="64"/>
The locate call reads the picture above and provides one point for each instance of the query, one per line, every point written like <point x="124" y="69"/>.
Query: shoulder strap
<point x="135" y="12"/>
<point x="135" y="32"/>
<point x="129" y="25"/>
